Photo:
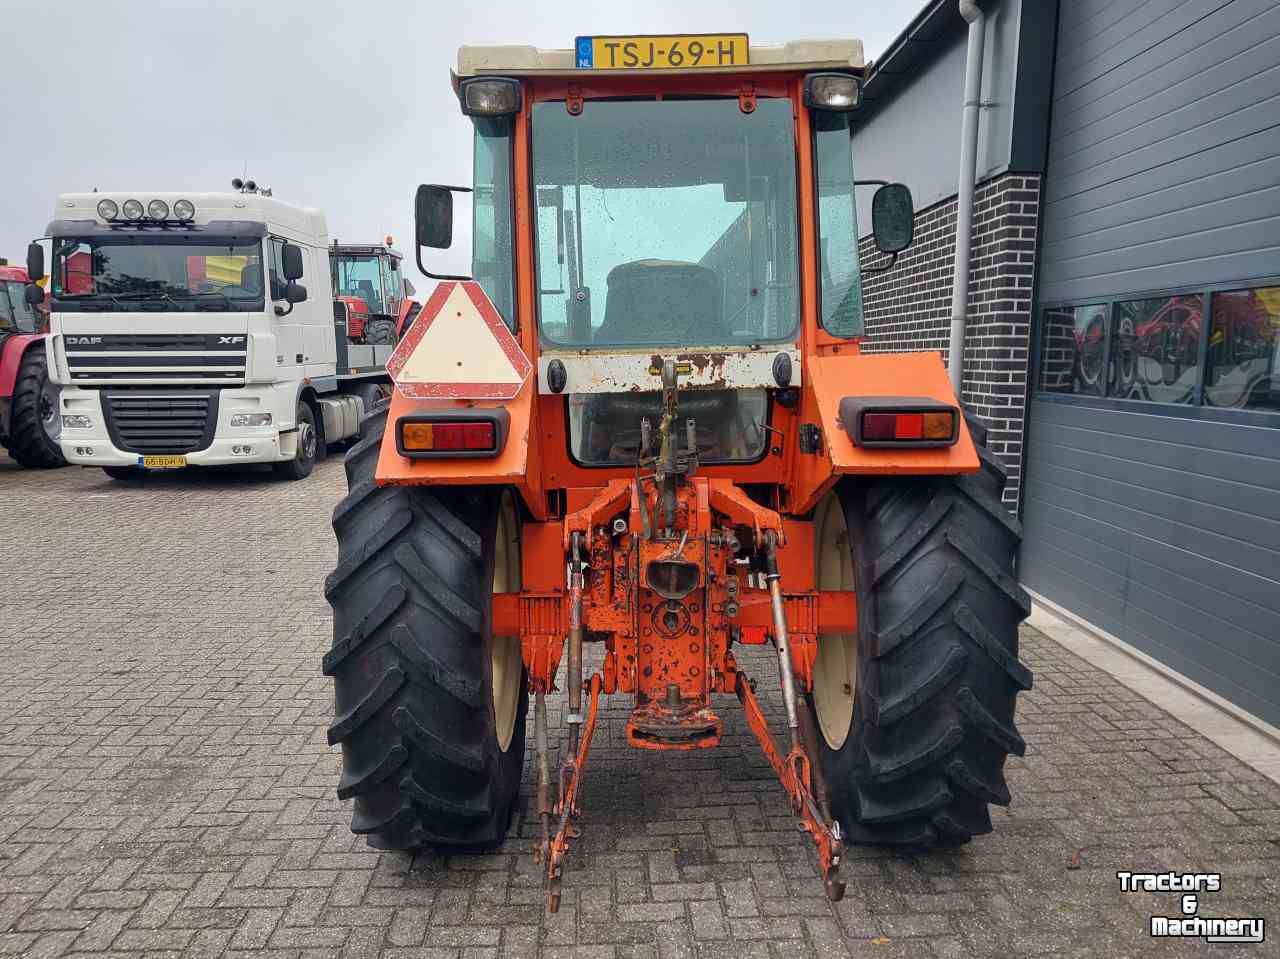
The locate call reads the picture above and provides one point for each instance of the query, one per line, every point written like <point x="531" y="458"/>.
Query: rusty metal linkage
<point x="794" y="774"/>
<point x="570" y="778"/>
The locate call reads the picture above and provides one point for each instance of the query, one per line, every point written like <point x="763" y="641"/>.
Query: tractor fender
<point x="511" y="467"/>
<point x="12" y="350"/>
<point x="834" y="377"/>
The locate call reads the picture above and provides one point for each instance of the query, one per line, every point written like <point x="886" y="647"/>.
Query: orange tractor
<point x="646" y="424"/>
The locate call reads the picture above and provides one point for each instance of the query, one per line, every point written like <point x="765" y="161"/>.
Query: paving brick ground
<point x="165" y="787"/>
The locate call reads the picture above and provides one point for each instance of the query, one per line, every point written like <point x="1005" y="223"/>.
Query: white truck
<point x="199" y="329"/>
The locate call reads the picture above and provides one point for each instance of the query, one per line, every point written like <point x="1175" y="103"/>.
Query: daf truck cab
<point x="197" y="329"/>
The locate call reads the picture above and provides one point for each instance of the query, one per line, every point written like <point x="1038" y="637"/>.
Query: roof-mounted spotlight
<point x="489" y="96"/>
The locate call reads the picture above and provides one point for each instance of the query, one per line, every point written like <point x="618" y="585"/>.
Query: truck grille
<point x="161" y="423"/>
<point x="161" y="358"/>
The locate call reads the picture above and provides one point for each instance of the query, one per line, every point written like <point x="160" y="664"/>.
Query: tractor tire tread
<point x="420" y="760"/>
<point x="28" y="443"/>
<point x="938" y="670"/>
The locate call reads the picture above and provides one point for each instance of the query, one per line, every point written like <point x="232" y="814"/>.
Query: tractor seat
<point x="663" y="301"/>
<point x="368" y="294"/>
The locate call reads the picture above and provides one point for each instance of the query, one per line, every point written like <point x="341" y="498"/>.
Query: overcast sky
<point x="338" y="105"/>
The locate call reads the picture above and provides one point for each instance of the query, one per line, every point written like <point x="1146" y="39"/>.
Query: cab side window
<point x="7" y="322"/>
<point x="275" y="247"/>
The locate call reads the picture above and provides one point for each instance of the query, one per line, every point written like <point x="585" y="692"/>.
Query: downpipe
<point x="977" y="21"/>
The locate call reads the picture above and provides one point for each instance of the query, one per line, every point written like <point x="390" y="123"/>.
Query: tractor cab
<point x="374" y="294"/>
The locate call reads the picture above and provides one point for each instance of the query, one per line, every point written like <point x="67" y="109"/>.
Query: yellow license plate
<point x="162" y="462"/>
<point x="673" y="52"/>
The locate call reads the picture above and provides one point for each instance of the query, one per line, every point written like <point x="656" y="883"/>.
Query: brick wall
<point x="909" y="307"/>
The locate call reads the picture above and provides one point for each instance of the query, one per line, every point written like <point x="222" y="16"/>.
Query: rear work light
<point x="902" y="421"/>
<point x="452" y="433"/>
<point x="489" y="96"/>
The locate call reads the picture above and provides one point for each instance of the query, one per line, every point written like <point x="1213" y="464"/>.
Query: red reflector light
<point x="438" y="437"/>
<point x="878" y="426"/>
<point x="925" y="427"/>
<point x="908" y="426"/>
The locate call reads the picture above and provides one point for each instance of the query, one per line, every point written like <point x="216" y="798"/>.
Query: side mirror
<point x="294" y="292"/>
<point x="433" y="223"/>
<point x="33" y="295"/>
<point x="892" y="218"/>
<point x="35" y="262"/>
<point x="433" y="216"/>
<point x="291" y="263"/>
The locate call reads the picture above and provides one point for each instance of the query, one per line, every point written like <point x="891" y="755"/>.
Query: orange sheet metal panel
<point x="830" y="378"/>
<point x="510" y="467"/>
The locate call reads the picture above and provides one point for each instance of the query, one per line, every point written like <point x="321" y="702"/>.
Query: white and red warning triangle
<point x="459" y="349"/>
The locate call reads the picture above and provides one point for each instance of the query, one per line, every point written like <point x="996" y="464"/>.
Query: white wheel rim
<point x="835" y="670"/>
<point x="506" y="661"/>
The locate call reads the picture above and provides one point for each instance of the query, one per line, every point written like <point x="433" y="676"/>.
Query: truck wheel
<point x="300" y="466"/>
<point x="430" y="706"/>
<point x="916" y="711"/>
<point x="380" y="332"/>
<point x="37" y="420"/>
<point x="371" y="394"/>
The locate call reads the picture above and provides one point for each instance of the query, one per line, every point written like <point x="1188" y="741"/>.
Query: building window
<point x="1073" y="349"/>
<point x="1244" y="350"/>
<point x="1155" y="349"/>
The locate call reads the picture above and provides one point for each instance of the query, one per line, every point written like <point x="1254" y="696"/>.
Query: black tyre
<point x="35" y="416"/>
<point x="126" y="474"/>
<point x="371" y="394"/>
<point x="380" y="332"/>
<point x="304" y="462"/>
<point x="430" y="706"/>
<point x="916" y="712"/>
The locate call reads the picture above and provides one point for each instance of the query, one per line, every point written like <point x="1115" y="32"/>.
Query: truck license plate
<point x="162" y="462"/>
<point x="673" y="52"/>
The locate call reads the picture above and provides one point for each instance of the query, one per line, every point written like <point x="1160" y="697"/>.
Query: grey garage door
<point x="1152" y="504"/>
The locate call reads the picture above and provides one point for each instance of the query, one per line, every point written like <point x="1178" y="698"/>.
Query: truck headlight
<point x="76" y="421"/>
<point x="250" y="419"/>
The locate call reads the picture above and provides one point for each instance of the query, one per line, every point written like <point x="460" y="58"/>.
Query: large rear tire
<point x="916" y="712"/>
<point x="380" y="332"/>
<point x="36" y="418"/>
<point x="430" y="706"/>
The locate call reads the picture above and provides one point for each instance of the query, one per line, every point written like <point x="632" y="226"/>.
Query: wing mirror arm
<point x="433" y="223"/>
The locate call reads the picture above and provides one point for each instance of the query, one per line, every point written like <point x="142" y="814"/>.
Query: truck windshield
<point x="155" y="272"/>
<point x="667" y="223"/>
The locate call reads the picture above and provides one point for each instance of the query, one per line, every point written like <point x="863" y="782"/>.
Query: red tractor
<point x="30" y="420"/>
<point x="379" y="300"/>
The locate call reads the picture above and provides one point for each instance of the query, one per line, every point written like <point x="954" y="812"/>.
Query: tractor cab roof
<point x="798" y="55"/>
<point x="365" y="249"/>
